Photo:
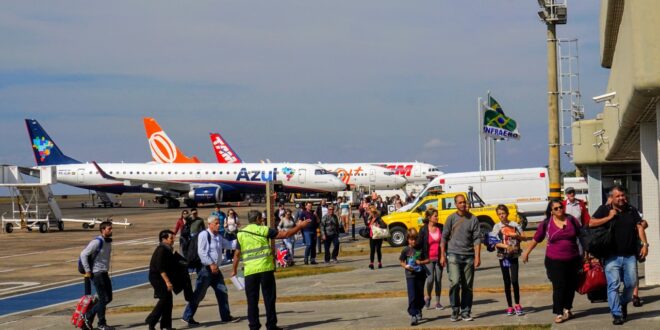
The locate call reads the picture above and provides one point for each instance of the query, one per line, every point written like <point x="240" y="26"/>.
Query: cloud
<point x="436" y="143"/>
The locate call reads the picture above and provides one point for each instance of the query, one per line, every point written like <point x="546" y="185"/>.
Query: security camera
<point x="604" y="97"/>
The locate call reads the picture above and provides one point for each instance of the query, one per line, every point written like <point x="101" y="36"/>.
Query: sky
<point x="296" y="81"/>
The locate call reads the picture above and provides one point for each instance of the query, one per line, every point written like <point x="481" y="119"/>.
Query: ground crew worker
<point x="259" y="267"/>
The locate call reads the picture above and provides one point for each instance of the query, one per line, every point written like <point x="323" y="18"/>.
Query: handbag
<point x="598" y="240"/>
<point x="379" y="233"/>
<point x="591" y="278"/>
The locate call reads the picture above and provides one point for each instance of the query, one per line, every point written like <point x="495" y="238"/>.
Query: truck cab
<point x="399" y="222"/>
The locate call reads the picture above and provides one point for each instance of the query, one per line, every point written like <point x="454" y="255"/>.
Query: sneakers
<point x="509" y="311"/>
<point x="380" y="265"/>
<point x="427" y="302"/>
<point x="467" y="317"/>
<point x="313" y="262"/>
<point x="334" y="261"/>
<point x="454" y="316"/>
<point x="618" y="321"/>
<point x="371" y="266"/>
<point x="413" y="320"/>
<point x="518" y="309"/>
<point x="105" y="327"/>
<point x="439" y="306"/>
<point x="232" y="319"/>
<point x="191" y="321"/>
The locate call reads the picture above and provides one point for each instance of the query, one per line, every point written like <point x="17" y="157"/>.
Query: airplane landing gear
<point x="173" y="203"/>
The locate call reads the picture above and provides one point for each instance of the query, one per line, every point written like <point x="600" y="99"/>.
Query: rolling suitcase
<point x="85" y="304"/>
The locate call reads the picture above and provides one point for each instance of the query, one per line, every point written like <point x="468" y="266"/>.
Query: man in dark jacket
<point x="161" y="276"/>
<point x="330" y="234"/>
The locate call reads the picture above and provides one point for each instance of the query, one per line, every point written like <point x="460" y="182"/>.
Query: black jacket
<point x="174" y="265"/>
<point x="423" y="240"/>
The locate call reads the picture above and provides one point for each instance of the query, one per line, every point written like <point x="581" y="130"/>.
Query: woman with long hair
<point x="287" y="223"/>
<point x="428" y="240"/>
<point x="375" y="245"/>
<point x="562" y="257"/>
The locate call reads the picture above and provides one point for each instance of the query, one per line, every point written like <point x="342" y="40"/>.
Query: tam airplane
<point x="352" y="174"/>
<point x="414" y="172"/>
<point x="194" y="182"/>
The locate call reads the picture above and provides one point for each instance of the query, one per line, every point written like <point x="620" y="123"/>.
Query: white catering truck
<point x="528" y="188"/>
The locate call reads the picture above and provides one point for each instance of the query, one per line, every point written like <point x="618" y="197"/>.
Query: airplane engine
<point x="206" y="195"/>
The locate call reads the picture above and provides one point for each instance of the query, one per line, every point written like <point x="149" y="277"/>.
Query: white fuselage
<point x="244" y="177"/>
<point x="415" y="172"/>
<point x="366" y="175"/>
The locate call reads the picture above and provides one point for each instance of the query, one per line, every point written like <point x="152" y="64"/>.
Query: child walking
<point x="411" y="260"/>
<point x="509" y="235"/>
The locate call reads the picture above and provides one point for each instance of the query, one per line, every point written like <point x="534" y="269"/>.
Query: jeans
<point x="563" y="275"/>
<point x="334" y="240"/>
<point x="103" y="288"/>
<point x="510" y="277"/>
<point x="265" y="281"/>
<point x="205" y="279"/>
<point x="290" y="244"/>
<point x="310" y="245"/>
<point x="435" y="269"/>
<point x="460" y="269"/>
<point x="415" y="294"/>
<point x="619" y="268"/>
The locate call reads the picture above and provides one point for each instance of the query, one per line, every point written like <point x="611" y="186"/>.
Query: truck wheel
<point x="9" y="228"/>
<point x="397" y="236"/>
<point x="43" y="227"/>
<point x="85" y="225"/>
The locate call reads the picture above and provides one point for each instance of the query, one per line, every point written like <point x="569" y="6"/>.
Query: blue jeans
<point x="103" y="287"/>
<point x="460" y="269"/>
<point x="617" y="269"/>
<point x="415" y="286"/>
<point x="310" y="245"/>
<point x="205" y="279"/>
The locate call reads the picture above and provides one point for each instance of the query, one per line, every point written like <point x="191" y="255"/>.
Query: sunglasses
<point x="557" y="208"/>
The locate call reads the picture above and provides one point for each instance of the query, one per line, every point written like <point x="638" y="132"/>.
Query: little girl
<point x="412" y="260"/>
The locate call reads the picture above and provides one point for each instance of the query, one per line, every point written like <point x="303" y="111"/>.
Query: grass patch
<point x="308" y="271"/>
<point x="130" y="309"/>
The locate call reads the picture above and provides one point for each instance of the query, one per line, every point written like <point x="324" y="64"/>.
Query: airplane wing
<point x="159" y="185"/>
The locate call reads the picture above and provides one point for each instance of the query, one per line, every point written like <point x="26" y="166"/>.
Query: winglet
<point x="102" y="172"/>
<point x="163" y="150"/>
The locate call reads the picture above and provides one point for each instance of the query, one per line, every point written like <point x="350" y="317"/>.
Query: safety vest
<point x="255" y="249"/>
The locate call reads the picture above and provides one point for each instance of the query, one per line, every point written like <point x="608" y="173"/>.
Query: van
<point x="528" y="188"/>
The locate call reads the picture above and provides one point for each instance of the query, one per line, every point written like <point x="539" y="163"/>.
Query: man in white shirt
<point x="209" y="248"/>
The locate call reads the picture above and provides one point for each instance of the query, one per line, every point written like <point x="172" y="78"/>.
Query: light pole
<point x="553" y="12"/>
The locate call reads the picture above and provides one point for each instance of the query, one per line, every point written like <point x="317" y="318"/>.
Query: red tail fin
<point x="162" y="148"/>
<point x="223" y="151"/>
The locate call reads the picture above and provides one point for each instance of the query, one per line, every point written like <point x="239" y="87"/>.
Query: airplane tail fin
<point x="163" y="150"/>
<point x="223" y="151"/>
<point x="46" y="152"/>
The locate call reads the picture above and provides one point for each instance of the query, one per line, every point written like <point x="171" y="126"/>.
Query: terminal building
<point x="622" y="144"/>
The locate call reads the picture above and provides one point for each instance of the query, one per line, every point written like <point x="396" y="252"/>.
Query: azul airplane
<point x="194" y="182"/>
<point x="352" y="174"/>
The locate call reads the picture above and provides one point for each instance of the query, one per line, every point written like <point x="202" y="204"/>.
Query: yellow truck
<point x="399" y="222"/>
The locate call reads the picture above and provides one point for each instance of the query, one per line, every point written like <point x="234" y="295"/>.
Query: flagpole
<point x="479" y="134"/>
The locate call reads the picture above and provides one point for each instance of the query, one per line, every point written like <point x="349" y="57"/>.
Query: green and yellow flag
<point x="496" y="123"/>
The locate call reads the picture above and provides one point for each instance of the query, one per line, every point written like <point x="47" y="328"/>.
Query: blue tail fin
<point x="45" y="150"/>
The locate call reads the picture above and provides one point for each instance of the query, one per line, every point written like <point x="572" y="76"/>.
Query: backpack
<point x="90" y="258"/>
<point x="185" y="231"/>
<point x="191" y="253"/>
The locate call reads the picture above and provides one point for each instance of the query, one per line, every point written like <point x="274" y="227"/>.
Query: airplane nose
<point x="400" y="180"/>
<point x="339" y="185"/>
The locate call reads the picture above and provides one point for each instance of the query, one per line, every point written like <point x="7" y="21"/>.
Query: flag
<point x="496" y="124"/>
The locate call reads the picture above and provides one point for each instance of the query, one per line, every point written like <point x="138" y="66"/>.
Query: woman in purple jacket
<point x="562" y="257"/>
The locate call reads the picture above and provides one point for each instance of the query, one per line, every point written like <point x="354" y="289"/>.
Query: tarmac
<point x="359" y="297"/>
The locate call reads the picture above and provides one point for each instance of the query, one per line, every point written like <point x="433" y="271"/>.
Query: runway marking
<point x="42" y="265"/>
<point x="7" y="270"/>
<point x="17" y="285"/>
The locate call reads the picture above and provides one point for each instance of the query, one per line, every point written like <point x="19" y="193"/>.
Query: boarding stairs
<point x="33" y="205"/>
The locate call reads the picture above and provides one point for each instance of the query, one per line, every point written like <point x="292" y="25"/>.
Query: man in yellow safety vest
<point x="259" y="266"/>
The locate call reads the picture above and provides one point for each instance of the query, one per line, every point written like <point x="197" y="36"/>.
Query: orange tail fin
<point x="163" y="150"/>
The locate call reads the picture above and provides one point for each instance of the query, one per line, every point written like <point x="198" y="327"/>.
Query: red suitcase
<point x="85" y="303"/>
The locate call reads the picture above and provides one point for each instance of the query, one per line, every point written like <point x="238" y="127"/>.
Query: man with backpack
<point x="209" y="255"/>
<point x="621" y="261"/>
<point x="95" y="260"/>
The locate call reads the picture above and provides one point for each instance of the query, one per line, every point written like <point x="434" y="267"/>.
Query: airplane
<point x="162" y="148"/>
<point x="194" y="182"/>
<point x="352" y="174"/>
<point x="415" y="172"/>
